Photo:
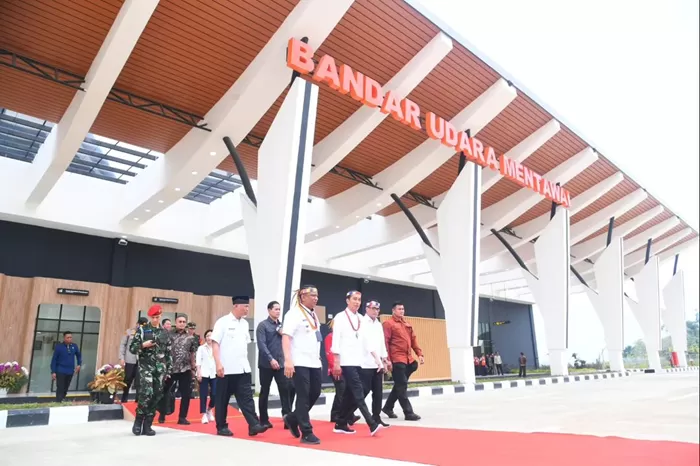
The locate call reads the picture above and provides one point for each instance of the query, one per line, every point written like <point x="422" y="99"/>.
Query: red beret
<point x="155" y="310"/>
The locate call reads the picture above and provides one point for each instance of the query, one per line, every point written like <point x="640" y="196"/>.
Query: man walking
<point x="498" y="361"/>
<point x="301" y="343"/>
<point x="229" y="341"/>
<point x="271" y="362"/>
<point x="129" y="361"/>
<point x="183" y="351"/>
<point x="349" y="349"/>
<point x="63" y="364"/>
<point x="372" y="370"/>
<point x="400" y="340"/>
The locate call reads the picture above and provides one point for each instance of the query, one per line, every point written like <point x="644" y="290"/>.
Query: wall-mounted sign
<point x="72" y="292"/>
<point x="160" y="300"/>
<point x="501" y="322"/>
<point x="370" y="93"/>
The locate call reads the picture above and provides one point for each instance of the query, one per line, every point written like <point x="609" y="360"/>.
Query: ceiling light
<point x="160" y="201"/>
<point x="124" y="236"/>
<point x="337" y="226"/>
<point x="212" y="153"/>
<point x="316" y="235"/>
<point x="148" y="210"/>
<point x="194" y="173"/>
<point x="357" y="216"/>
<point x="177" y="189"/>
<point x="136" y="219"/>
<point x="379" y="204"/>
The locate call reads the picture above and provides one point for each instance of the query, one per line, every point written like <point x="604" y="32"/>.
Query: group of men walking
<point x="361" y="348"/>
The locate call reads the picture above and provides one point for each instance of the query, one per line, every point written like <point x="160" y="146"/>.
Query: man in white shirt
<point x="349" y="350"/>
<point x="372" y="379"/>
<point x="230" y="339"/>
<point x="301" y="343"/>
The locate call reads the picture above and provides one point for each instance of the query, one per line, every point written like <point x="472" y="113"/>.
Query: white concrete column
<point x="274" y="230"/>
<point x="456" y="268"/>
<point x="551" y="288"/>
<point x="647" y="310"/>
<point x="674" y="316"/>
<point x="608" y="302"/>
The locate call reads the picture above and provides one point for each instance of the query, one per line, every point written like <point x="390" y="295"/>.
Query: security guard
<point x="151" y="343"/>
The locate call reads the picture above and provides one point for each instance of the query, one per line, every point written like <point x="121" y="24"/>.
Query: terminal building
<point x="162" y="151"/>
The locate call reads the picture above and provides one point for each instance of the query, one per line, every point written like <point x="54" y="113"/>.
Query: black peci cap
<point x="240" y="300"/>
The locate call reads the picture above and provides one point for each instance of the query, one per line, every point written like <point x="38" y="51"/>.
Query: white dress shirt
<point x="374" y="341"/>
<point x="497" y="359"/>
<point x="302" y="326"/>
<point x="348" y="339"/>
<point x="233" y="336"/>
<point x="205" y="361"/>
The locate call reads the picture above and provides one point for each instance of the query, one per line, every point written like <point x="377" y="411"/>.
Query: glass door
<point x="52" y="320"/>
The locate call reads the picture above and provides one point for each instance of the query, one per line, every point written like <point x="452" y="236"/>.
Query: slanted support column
<point x="608" y="302"/>
<point x="674" y="316"/>
<point x="275" y="228"/>
<point x="647" y="310"/>
<point x="551" y="288"/>
<point x="456" y="268"/>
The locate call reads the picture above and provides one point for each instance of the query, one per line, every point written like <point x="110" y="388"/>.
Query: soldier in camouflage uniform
<point x="192" y="330"/>
<point x="151" y="343"/>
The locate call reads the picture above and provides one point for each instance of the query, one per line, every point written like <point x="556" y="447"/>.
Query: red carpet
<point x="453" y="447"/>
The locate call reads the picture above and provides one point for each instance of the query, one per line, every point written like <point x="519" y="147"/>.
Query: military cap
<point x="155" y="310"/>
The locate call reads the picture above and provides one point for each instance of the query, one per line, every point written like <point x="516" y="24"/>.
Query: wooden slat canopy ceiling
<point x="192" y="51"/>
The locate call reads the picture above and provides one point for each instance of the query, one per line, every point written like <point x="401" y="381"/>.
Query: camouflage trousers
<point x="150" y="391"/>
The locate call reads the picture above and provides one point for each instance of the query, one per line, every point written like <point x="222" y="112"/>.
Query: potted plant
<point x="108" y="381"/>
<point x="12" y="377"/>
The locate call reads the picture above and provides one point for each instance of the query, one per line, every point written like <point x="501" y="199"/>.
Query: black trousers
<point x="62" y="383"/>
<point x="373" y="381"/>
<point x="184" y="383"/>
<point x="354" y="396"/>
<point x="523" y="371"/>
<point x="238" y="385"/>
<point x="499" y="369"/>
<point x="338" y="398"/>
<point x="131" y="376"/>
<point x="307" y="384"/>
<point x="400" y="373"/>
<point x="207" y="387"/>
<point x="284" y="386"/>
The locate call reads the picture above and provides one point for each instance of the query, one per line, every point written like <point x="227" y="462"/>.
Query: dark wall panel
<point x="417" y="301"/>
<point x="30" y="251"/>
<point x="175" y="269"/>
<point x="512" y="338"/>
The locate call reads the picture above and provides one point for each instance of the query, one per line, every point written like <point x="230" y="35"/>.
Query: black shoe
<point x="412" y="417"/>
<point x="389" y="413"/>
<point x="183" y="421"/>
<point x="374" y="428"/>
<point x="161" y="418"/>
<point x="138" y="424"/>
<point x="379" y="421"/>
<point x="147" y="430"/>
<point x="225" y="432"/>
<point x="293" y="425"/>
<point x="267" y="424"/>
<point x="310" y="439"/>
<point x="353" y="420"/>
<point x="342" y="429"/>
<point x="256" y="429"/>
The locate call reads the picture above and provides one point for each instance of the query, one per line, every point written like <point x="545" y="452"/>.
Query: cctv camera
<point x="366" y="280"/>
<point x="123" y="242"/>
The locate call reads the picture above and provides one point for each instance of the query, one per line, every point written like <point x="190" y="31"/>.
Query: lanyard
<point x="359" y="322"/>
<point x="314" y="324"/>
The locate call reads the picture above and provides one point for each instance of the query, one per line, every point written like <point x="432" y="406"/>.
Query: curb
<point x="683" y="369"/>
<point x="67" y="415"/>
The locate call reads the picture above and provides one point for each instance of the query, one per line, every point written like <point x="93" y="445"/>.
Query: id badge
<point x="319" y="338"/>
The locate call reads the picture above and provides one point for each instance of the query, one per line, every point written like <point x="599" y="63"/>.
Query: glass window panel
<point x="70" y="312"/>
<point x="70" y="326"/>
<point x="40" y="376"/>
<point x="91" y="327"/>
<point x="109" y="163"/>
<point x="103" y="173"/>
<point x="49" y="311"/>
<point x="93" y="314"/>
<point x="47" y="325"/>
<point x="88" y="349"/>
<point x="87" y="158"/>
<point x="102" y="139"/>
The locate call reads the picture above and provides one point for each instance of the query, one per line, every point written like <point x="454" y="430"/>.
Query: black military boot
<point x="138" y="424"/>
<point x="147" y="423"/>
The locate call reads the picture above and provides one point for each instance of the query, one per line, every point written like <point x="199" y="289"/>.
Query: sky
<point x="625" y="75"/>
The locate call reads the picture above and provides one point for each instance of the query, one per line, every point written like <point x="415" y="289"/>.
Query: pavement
<point x="646" y="407"/>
